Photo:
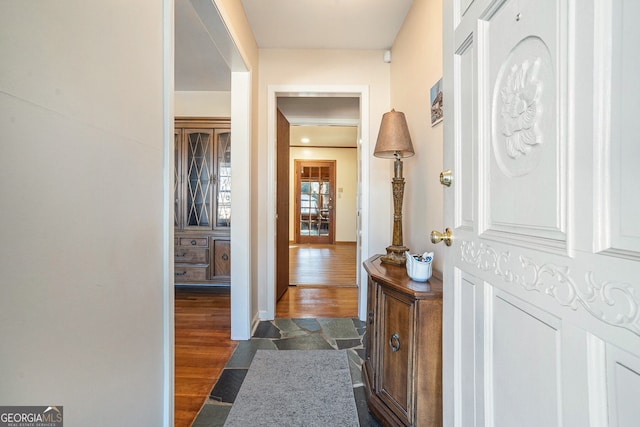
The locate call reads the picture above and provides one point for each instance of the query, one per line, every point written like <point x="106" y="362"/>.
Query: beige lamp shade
<point x="393" y="136"/>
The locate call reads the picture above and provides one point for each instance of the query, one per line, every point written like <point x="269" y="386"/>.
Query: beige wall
<point x="202" y="104"/>
<point x="346" y="180"/>
<point x="416" y="65"/>
<point x="320" y="68"/>
<point x="82" y="311"/>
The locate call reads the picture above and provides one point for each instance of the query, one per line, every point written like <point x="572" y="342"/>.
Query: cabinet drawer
<point x="194" y="241"/>
<point x="191" y="255"/>
<point x="189" y="274"/>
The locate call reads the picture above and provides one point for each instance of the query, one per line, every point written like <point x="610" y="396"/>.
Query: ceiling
<point x="286" y="24"/>
<point x="323" y="136"/>
<point x="199" y="66"/>
<point x="326" y="24"/>
<point x="281" y="24"/>
<point x="326" y="110"/>
<point x="325" y="121"/>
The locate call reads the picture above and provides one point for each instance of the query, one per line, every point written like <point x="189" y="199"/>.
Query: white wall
<point x="81" y="181"/>
<point x="316" y="68"/>
<point x="346" y="180"/>
<point x="202" y="104"/>
<point x="416" y="65"/>
<point x="244" y="127"/>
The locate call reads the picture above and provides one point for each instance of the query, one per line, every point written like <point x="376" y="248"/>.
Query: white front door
<point x="542" y="281"/>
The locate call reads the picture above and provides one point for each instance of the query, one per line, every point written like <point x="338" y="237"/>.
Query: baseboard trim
<point x="321" y="285"/>
<point x="337" y="242"/>
<point x="255" y="322"/>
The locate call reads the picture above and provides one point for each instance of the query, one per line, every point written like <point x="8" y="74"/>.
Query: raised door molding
<point x="612" y="302"/>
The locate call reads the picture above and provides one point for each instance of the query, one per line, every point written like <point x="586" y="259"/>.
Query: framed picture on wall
<point x="435" y="97"/>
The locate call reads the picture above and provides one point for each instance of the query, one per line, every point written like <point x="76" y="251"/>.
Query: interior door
<point x="315" y="191"/>
<point x="282" y="206"/>
<point x="542" y="279"/>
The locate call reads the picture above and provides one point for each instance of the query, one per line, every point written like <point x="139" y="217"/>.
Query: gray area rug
<point x="296" y="388"/>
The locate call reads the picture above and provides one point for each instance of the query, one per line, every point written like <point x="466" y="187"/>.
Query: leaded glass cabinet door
<point x="199" y="177"/>
<point x="177" y="179"/>
<point x="223" y="182"/>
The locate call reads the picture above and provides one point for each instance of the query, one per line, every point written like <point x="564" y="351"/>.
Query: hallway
<point x="202" y="321"/>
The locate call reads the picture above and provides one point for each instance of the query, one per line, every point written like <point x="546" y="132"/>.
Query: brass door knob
<point x="437" y="237"/>
<point x="446" y="177"/>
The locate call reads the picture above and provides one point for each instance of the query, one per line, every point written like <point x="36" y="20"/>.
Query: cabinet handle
<point x="394" y="342"/>
<point x="181" y="274"/>
<point x="370" y="317"/>
<point x="182" y="255"/>
<point x="225" y="257"/>
<point x="193" y="243"/>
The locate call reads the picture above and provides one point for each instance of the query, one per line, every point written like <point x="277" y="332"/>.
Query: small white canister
<point x="419" y="266"/>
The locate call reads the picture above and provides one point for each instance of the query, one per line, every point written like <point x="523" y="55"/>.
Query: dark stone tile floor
<point x="289" y="334"/>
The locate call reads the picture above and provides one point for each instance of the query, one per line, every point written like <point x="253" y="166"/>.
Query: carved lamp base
<point x="395" y="255"/>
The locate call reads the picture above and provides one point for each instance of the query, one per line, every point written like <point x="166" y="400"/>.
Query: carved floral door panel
<point x="542" y="282"/>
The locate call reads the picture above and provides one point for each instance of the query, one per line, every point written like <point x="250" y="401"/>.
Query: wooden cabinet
<point x="403" y="363"/>
<point x="202" y="200"/>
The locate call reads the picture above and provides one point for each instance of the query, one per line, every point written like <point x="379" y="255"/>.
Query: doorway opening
<point x="316" y="225"/>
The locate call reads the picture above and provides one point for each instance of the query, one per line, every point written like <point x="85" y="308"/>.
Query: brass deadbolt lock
<point x="446" y="177"/>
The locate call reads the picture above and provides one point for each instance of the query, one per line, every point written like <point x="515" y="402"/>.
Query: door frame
<point x="273" y="93"/>
<point x="298" y="163"/>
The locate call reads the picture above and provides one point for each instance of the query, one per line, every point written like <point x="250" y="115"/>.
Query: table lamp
<point x="394" y="142"/>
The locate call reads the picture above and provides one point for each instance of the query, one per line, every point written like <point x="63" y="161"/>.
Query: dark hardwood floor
<point x="203" y="326"/>
<point x="202" y="347"/>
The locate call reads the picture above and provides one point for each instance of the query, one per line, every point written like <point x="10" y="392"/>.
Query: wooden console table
<point x="402" y="371"/>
